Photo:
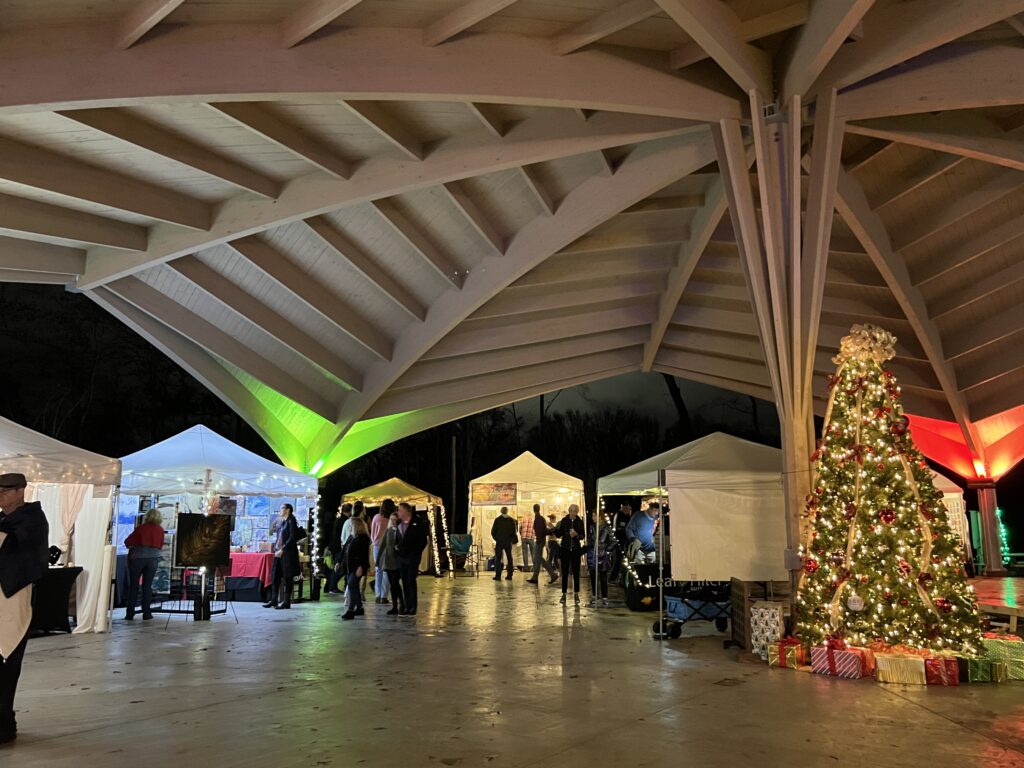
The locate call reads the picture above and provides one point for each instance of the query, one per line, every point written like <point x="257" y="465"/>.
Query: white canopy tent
<point x="728" y="510"/>
<point x="199" y="461"/>
<point x="518" y="485"/>
<point x="75" y="489"/>
<point x="956" y="508"/>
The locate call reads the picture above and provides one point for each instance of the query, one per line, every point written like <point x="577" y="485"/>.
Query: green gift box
<point x="975" y="670"/>
<point x="1008" y="652"/>
<point x="1000" y="672"/>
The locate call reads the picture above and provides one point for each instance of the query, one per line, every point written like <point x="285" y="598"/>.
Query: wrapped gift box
<point x="975" y="670"/>
<point x="766" y="626"/>
<point x="788" y="653"/>
<point x="900" y="668"/>
<point x="942" y="671"/>
<point x="848" y="662"/>
<point x="1008" y="651"/>
<point x="1000" y="672"/>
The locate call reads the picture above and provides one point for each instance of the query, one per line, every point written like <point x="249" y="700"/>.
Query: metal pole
<point x="596" y="544"/>
<point x="661" y="562"/>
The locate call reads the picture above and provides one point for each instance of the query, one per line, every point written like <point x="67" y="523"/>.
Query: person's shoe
<point x="531" y="581"/>
<point x="393" y="612"/>
<point x="497" y="578"/>
<point x="6" y="737"/>
<point x="147" y="617"/>
<point x="359" y="611"/>
<point x="283" y="606"/>
<point x="561" y="600"/>
<point x="553" y="580"/>
<point x="129" y="616"/>
<point x="348" y="616"/>
<point x="509" y="577"/>
<point x="385" y="601"/>
<point x="270" y="604"/>
<point x="604" y="602"/>
<point x="576" y="597"/>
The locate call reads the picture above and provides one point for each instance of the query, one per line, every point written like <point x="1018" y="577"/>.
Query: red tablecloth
<point x="258" y="564"/>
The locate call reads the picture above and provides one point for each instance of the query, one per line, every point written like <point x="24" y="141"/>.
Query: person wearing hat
<point x="24" y="545"/>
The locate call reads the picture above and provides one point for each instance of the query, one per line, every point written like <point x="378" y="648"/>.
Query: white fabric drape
<point x="89" y="540"/>
<point x="48" y="496"/>
<point x="72" y="499"/>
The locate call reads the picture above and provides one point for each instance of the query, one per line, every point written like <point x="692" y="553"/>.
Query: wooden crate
<point x="744" y="594"/>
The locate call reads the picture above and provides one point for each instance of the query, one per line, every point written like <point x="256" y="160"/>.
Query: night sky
<point x="76" y="373"/>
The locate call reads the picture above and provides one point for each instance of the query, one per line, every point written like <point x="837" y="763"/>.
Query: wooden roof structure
<point x="353" y="220"/>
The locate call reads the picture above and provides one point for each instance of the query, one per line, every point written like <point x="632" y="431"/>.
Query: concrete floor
<point x="489" y="674"/>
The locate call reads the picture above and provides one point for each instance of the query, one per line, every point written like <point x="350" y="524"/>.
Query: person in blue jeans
<point x="358" y="563"/>
<point x="144" y="544"/>
<point x="504" y="532"/>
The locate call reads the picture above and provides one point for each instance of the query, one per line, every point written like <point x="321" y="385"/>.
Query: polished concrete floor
<point x="489" y="674"/>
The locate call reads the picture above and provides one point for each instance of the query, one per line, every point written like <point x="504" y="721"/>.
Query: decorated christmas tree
<point x="881" y="562"/>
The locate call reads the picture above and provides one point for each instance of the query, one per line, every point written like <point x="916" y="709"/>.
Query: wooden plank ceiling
<point x="336" y="211"/>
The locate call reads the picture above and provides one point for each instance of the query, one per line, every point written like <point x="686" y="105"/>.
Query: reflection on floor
<point x="489" y="674"/>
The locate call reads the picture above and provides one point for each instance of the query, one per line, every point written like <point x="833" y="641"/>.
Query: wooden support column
<point x="991" y="548"/>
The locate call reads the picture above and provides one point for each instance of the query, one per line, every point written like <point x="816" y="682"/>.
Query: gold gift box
<point x="795" y="656"/>
<point x="900" y="668"/>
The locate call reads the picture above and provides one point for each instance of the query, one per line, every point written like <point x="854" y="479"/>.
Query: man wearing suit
<point x="286" y="559"/>
<point x="24" y="542"/>
<point x="503" y="531"/>
<point x="412" y="540"/>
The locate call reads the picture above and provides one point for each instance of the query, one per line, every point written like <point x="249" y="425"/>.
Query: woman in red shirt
<point x="144" y="546"/>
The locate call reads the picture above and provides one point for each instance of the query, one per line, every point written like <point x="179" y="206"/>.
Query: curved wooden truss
<point x="354" y="220"/>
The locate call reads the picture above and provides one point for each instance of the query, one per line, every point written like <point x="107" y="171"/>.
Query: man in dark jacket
<point x="412" y="540"/>
<point x="286" y="559"/>
<point x="24" y="539"/>
<point x="540" y="532"/>
<point x="504" y="533"/>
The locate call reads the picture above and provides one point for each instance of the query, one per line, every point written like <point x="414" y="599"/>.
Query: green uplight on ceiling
<point x="365" y="436"/>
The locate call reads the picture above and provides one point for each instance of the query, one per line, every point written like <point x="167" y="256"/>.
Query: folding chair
<point x="461" y="546"/>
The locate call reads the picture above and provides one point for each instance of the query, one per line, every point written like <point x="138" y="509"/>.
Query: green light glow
<point x="366" y="436"/>
<point x="1004" y="537"/>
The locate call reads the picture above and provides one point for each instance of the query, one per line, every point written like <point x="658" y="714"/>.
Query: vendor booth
<point x="76" y="491"/>
<point x="198" y="471"/>
<point x="435" y="557"/>
<point x="956" y="509"/>
<point x="728" y="509"/>
<point x="518" y="485"/>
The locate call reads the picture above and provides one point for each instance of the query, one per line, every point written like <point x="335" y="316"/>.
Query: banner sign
<point x="493" y="494"/>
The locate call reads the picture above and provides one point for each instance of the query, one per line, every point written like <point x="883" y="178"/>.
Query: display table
<point x="252" y="564"/>
<point x="50" y="600"/>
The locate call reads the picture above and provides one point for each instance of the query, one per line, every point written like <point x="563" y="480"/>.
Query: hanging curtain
<point x="48" y="496"/>
<point x="90" y="537"/>
<point x="72" y="498"/>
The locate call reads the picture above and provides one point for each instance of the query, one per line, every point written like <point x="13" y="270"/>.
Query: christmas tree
<point x="881" y="562"/>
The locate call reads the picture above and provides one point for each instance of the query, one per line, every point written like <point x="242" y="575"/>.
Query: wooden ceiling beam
<point x="715" y="27"/>
<point x="488" y="118"/>
<point x="907" y="183"/>
<point x="143" y="134"/>
<point x="536" y="139"/>
<point x="30" y="217"/>
<point x="32" y="256"/>
<point x="63" y="175"/>
<point x="217" y="342"/>
<point x="967" y="294"/>
<point x="314" y="294"/>
<point x="963" y="134"/>
<point x="941" y="263"/>
<point x="465" y="204"/>
<point x="33" y="278"/>
<point x="687" y="258"/>
<point x="515" y="303"/>
<point x="897" y="32"/>
<point x="145" y="15"/>
<point x="826" y="28"/>
<point x="538" y="192"/>
<point x="310" y="17"/>
<point x="207" y="370"/>
<point x="608" y="23"/>
<point x="391" y="287"/>
<point x="509" y="358"/>
<point x="263" y="316"/>
<point x="387" y="126"/>
<point x="780" y="20"/>
<point x="1005" y="364"/>
<point x="702" y="377"/>
<point x="416" y="240"/>
<point x="462" y="18"/>
<point x="624" y="240"/>
<point x="983" y="333"/>
<point x="267" y="125"/>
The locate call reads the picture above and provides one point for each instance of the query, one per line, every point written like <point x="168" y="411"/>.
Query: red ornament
<point x="904" y="566"/>
<point x="850" y="510"/>
<point x="863" y="579"/>
<point x="810" y="565"/>
<point x="900" y="426"/>
<point x="882" y="411"/>
<point x="944" y="605"/>
<point x="871" y="528"/>
<point x="886" y="515"/>
<point x="904" y="602"/>
<point x="924" y="577"/>
<point x="880" y="466"/>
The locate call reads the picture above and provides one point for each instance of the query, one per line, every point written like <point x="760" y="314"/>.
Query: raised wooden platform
<point x="1001" y="597"/>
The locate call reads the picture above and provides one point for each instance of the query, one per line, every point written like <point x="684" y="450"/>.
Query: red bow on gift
<point x="836" y="642"/>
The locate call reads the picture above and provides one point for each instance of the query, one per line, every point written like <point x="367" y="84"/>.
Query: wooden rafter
<point x="773" y="22"/>
<point x="461" y="19"/>
<point x="216" y="341"/>
<point x="226" y="292"/>
<point x="314" y="294"/>
<point x="419" y="242"/>
<point x="538" y="192"/>
<point x="310" y="17"/>
<point x="387" y="126"/>
<point x="464" y="202"/>
<point x="487" y="117"/>
<point x="145" y="15"/>
<point x="827" y="26"/>
<point x="32" y="218"/>
<point x="715" y="27"/>
<point x="611" y="21"/>
<point x="32" y="256"/>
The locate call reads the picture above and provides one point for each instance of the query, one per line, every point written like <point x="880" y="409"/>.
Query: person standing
<point x="412" y="540"/>
<point x="540" y="544"/>
<point x="377" y="531"/>
<point x="571" y="533"/>
<point x="527" y="537"/>
<point x="358" y="562"/>
<point x="144" y="544"/>
<point x="600" y="556"/>
<point x="24" y="546"/>
<point x="554" y="551"/>
<point x="286" y="559"/>
<point x="387" y="562"/>
<point x="334" y="575"/>
<point x="503" y="531"/>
